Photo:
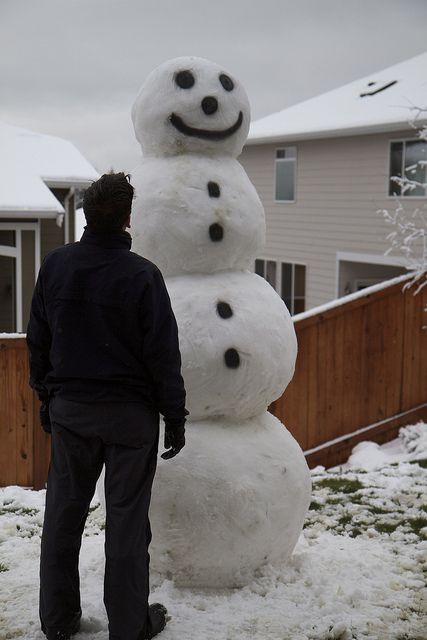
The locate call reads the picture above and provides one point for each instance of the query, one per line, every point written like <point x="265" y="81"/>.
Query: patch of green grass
<point x="3" y="567"/>
<point x="315" y="506"/>
<point x="417" y="524"/>
<point x="19" y="511"/>
<point x="422" y="462"/>
<point x="340" y="485"/>
<point x="345" y="520"/>
<point x="377" y="511"/>
<point x="387" y="527"/>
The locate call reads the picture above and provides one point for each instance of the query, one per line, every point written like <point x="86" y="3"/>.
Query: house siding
<point x="52" y="236"/>
<point x="340" y="185"/>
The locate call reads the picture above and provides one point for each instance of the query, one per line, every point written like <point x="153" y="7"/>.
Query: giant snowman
<point x="236" y="496"/>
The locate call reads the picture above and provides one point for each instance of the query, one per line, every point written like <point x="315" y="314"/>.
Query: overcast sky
<point x="72" y="68"/>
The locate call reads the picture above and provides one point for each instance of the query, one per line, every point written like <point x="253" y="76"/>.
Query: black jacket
<point x="102" y="329"/>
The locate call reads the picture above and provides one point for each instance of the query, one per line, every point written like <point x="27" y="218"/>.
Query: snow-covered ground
<point x="359" y="569"/>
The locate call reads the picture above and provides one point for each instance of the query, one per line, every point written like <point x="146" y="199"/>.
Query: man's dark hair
<point x="107" y="203"/>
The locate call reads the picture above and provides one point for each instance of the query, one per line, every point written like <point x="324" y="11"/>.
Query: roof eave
<point x="33" y="214"/>
<point x="336" y="133"/>
<point x="68" y="183"/>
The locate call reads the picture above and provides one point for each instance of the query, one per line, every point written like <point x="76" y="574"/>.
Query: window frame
<point x="390" y="183"/>
<point x="291" y="159"/>
<point x="278" y="278"/>
<point x="15" y="252"/>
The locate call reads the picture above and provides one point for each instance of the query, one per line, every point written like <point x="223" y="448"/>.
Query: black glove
<point x="45" y="417"/>
<point x="44" y="397"/>
<point x="174" y="436"/>
<point x="40" y="389"/>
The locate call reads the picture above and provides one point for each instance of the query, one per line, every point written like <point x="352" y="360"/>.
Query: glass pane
<point x="299" y="305"/>
<point x="287" y="285"/>
<point x="271" y="273"/>
<point x="416" y="153"/>
<point x="291" y="152"/>
<point x="396" y="150"/>
<point x="7" y="294"/>
<point x="7" y="238"/>
<point x="259" y="267"/>
<point x="285" y="178"/>
<point x="299" y="285"/>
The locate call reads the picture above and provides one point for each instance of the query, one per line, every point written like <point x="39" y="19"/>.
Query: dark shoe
<point x="65" y="635"/>
<point x="156" y="620"/>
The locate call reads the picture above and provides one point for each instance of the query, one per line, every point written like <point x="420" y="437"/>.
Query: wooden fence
<point x="24" y="446"/>
<point x="361" y="374"/>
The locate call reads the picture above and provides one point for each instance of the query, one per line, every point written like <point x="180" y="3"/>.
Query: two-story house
<point x="323" y="169"/>
<point x="39" y="177"/>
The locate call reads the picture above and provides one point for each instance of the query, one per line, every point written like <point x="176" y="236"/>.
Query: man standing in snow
<point x="105" y="361"/>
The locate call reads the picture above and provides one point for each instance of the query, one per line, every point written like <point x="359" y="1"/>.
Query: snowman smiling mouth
<point x="206" y="134"/>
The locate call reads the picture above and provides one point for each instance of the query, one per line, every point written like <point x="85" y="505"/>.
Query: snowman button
<point x="224" y="310"/>
<point x="214" y="190"/>
<point x="216" y="232"/>
<point x="232" y="358"/>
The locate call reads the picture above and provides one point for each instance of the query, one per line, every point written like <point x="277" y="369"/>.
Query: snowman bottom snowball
<point x="233" y="500"/>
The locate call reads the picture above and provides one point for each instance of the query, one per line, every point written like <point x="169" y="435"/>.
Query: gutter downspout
<point x="68" y="197"/>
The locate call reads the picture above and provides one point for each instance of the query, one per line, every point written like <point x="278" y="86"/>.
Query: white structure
<point x="237" y="494"/>
<point x="322" y="169"/>
<point x="39" y="177"/>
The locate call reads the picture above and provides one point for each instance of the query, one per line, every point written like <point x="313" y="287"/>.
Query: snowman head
<point x="191" y="105"/>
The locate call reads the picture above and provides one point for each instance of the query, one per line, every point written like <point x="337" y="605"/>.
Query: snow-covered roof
<point x="384" y="101"/>
<point x="32" y="162"/>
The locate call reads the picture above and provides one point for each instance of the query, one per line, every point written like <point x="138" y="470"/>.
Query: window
<point x="408" y="162"/>
<point x="19" y="264"/>
<point x="286" y="159"/>
<point x="7" y="280"/>
<point x="268" y="270"/>
<point x="7" y="294"/>
<point x="293" y="287"/>
<point x="288" y="279"/>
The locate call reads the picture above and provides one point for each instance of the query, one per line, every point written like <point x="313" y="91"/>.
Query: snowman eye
<point x="226" y="82"/>
<point x="184" y="79"/>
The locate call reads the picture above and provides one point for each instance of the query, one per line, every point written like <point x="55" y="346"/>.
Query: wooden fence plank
<point x="312" y="425"/>
<point x="24" y="437"/>
<point x="334" y="382"/>
<point x="394" y="356"/>
<point x="416" y="345"/>
<point x="7" y="457"/>
<point x="300" y="391"/>
<point x="11" y="448"/>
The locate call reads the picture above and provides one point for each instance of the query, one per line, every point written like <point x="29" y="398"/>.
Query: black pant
<point x="124" y="436"/>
